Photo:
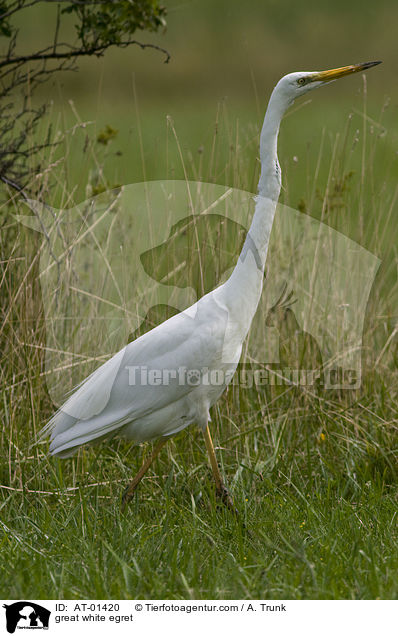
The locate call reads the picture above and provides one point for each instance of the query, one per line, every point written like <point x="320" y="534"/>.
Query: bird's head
<point x="296" y="84"/>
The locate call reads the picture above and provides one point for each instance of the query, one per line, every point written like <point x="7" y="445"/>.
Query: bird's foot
<point x="224" y="495"/>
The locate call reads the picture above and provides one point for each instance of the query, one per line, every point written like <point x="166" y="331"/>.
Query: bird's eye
<point x="301" y="81"/>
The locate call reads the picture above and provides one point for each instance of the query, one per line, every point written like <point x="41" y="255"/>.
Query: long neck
<point x="245" y="283"/>
<point x="269" y="184"/>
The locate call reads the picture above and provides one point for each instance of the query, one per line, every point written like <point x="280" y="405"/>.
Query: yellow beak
<point x="336" y="73"/>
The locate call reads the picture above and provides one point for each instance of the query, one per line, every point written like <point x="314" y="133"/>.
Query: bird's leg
<point x="128" y="493"/>
<point x="221" y="490"/>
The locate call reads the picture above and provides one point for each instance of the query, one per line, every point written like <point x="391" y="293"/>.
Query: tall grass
<point x="313" y="473"/>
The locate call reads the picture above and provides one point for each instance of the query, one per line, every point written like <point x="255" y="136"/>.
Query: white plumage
<point x="117" y="396"/>
<point x="206" y="339"/>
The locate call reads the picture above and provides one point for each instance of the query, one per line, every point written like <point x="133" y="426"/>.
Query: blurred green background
<point x="225" y="59"/>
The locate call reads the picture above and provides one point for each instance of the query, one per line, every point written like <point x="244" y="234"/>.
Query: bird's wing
<point x="117" y="392"/>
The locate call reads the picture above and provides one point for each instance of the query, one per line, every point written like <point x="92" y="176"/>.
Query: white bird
<point x="170" y="377"/>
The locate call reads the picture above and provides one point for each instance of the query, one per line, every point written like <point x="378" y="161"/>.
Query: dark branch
<point x="98" y="27"/>
<point x="74" y="53"/>
<point x="14" y="185"/>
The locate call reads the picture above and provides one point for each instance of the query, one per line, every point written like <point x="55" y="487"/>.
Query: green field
<point x="313" y="473"/>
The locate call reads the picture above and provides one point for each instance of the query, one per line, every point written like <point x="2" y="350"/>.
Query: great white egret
<point x="204" y="340"/>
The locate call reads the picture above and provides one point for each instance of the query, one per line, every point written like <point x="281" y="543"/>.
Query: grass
<point x="313" y="473"/>
<point x="316" y="521"/>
